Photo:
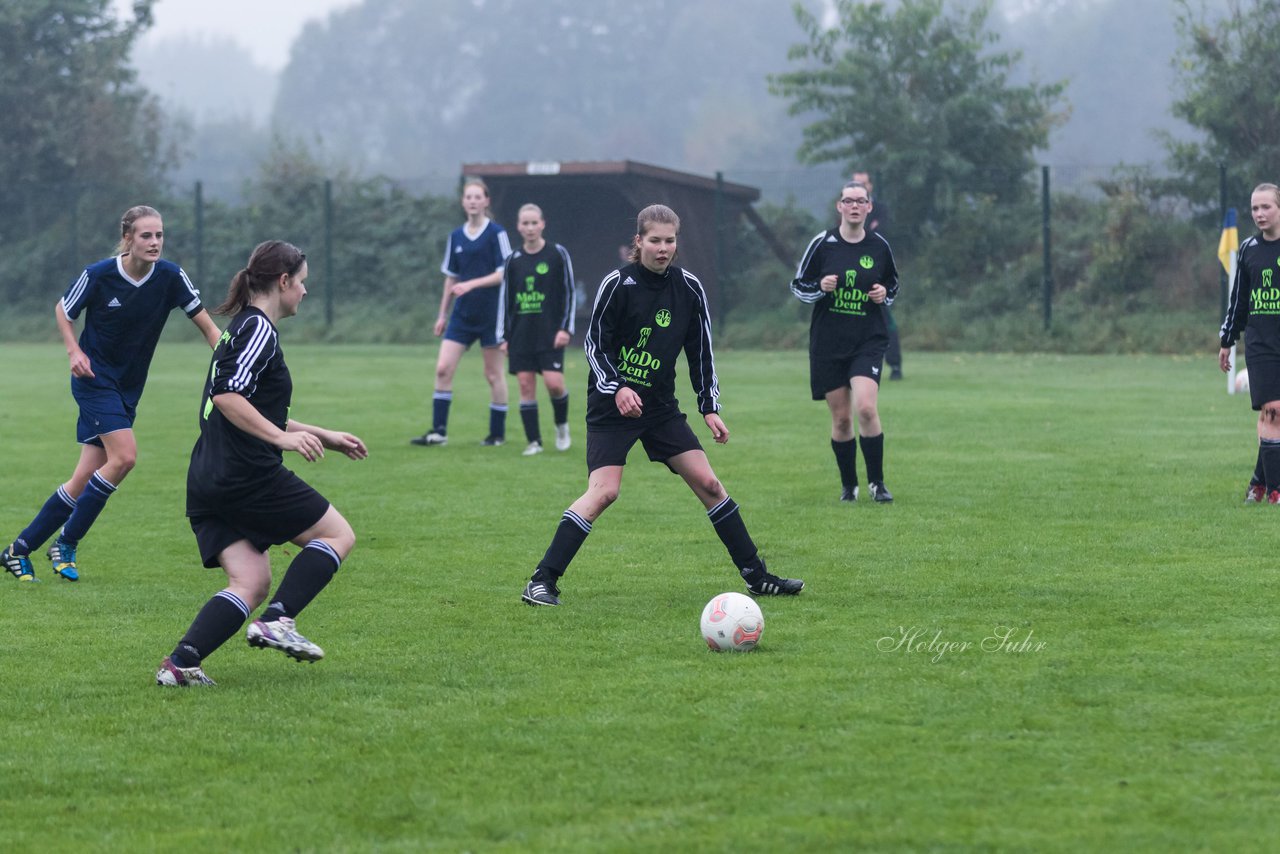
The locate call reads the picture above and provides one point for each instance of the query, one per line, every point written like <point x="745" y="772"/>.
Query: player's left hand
<point x="719" y="432"/>
<point x="878" y="293"/>
<point x="347" y="444"/>
<point x="562" y="340"/>
<point x="461" y="288"/>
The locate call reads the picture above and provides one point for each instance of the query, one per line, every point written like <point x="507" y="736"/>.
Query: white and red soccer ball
<point x="732" y="622"/>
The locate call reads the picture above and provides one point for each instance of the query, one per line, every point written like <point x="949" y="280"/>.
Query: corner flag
<point x="1228" y="244"/>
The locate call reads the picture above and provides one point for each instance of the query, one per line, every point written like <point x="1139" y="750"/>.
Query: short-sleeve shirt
<point x="124" y="319"/>
<point x="466" y="258"/>
<point x="227" y="463"/>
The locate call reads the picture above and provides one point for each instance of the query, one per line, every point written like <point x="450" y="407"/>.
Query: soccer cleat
<point x="493" y="441"/>
<point x="282" y="634"/>
<point x="879" y="493"/>
<point x="19" y="566"/>
<point x="171" y="675"/>
<point x="1255" y="494"/>
<point x="540" y="593"/>
<point x="771" y="585"/>
<point x="1273" y="497"/>
<point x="431" y="438"/>
<point x="895" y="374"/>
<point x="535" y="448"/>
<point x="63" y="558"/>
<point x="562" y="437"/>
<point x="849" y="493"/>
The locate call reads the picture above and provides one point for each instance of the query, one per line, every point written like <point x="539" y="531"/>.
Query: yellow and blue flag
<point x="1228" y="243"/>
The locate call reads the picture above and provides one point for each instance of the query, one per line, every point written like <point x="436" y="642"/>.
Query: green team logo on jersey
<point x="529" y="301"/>
<point x="635" y="363"/>
<point x="849" y="298"/>
<point x="662" y="318"/>
<point x="542" y="268"/>
<point x="866" y="262"/>
<point x="1266" y="299"/>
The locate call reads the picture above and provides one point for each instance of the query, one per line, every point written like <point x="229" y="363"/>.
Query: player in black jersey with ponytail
<point x="848" y="275"/>
<point x="241" y="499"/>
<point x="646" y="314"/>
<point x="1254" y="308"/>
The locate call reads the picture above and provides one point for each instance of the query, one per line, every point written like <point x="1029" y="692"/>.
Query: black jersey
<point x="228" y="464"/>
<point x="537" y="290"/>
<point x="845" y="317"/>
<point x="640" y="323"/>
<point x="1254" y="306"/>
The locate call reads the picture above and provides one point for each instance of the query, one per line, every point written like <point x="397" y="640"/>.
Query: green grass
<point x="1092" y="503"/>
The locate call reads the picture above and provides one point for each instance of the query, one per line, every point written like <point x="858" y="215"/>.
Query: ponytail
<point x="268" y="262"/>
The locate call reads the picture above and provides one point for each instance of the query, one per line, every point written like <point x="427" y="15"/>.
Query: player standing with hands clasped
<point x="126" y="300"/>
<point x="849" y="276"/>
<point x="538" y="291"/>
<point x="646" y="313"/>
<point x="1254" y="309"/>
<point x="470" y="310"/>
<point x="241" y="500"/>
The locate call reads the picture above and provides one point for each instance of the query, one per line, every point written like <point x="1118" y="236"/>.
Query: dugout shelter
<point x="591" y="206"/>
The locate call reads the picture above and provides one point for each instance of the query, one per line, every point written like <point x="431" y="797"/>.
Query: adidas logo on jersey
<point x="115" y="303"/>
<point x="629" y="281"/>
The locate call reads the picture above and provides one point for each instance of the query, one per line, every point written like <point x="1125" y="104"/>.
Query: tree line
<point x="919" y="92"/>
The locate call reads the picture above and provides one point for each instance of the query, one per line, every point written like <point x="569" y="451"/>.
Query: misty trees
<point x="72" y="110"/>
<point x="1228" y="94"/>
<point x="923" y="100"/>
<point x="409" y="88"/>
<point x="77" y="137"/>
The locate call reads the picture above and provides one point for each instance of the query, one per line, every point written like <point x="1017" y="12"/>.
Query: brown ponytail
<point x="268" y="262"/>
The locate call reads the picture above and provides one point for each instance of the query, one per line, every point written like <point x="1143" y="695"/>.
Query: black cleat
<point x="493" y="441"/>
<point x="849" y="493"/>
<point x="540" y="593"/>
<point x="879" y="493"/>
<point x="771" y="585"/>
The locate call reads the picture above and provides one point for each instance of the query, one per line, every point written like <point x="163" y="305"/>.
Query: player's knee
<point x="1271" y="413"/>
<point x="842" y="424"/>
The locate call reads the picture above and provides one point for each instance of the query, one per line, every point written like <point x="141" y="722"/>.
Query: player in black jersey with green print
<point x="241" y="500"/>
<point x="1254" y="309"/>
<point x="848" y="275"/>
<point x="537" y="291"/>
<point x="646" y="314"/>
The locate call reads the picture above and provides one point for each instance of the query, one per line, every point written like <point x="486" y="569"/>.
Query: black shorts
<point x="661" y="442"/>
<point x="1264" y="381"/>
<point x="274" y="514"/>
<point x="827" y="374"/>
<point x="535" y="361"/>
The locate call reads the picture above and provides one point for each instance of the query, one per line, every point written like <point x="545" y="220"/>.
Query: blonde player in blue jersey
<point x="470" y="311"/>
<point x="125" y="300"/>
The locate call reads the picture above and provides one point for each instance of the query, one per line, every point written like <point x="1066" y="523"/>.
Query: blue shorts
<point x="466" y="331"/>
<point x="102" y="410"/>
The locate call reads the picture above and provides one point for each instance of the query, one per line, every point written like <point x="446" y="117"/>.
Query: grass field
<point x="1085" y="508"/>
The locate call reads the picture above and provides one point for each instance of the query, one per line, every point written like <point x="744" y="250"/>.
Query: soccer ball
<point x="732" y="621"/>
<point x="1242" y="380"/>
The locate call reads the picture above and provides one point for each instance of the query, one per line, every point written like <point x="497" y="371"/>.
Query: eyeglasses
<point x="849" y="202"/>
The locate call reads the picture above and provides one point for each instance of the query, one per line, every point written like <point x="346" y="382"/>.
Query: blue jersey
<point x="124" y="319"/>
<point x="465" y="259"/>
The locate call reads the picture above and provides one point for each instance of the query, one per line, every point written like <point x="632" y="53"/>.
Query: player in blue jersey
<point x="849" y="277"/>
<point x="538" y="303"/>
<point x="1254" y="309"/>
<point x="470" y="311"/>
<point x="125" y="300"/>
<point x="241" y="500"/>
<point x="646" y="314"/>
